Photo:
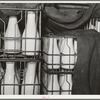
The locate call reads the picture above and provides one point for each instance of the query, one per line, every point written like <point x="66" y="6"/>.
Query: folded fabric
<point x="3" y="18"/>
<point x="96" y="11"/>
<point x="53" y="23"/>
<point x="82" y="72"/>
<point x="95" y="68"/>
<point x="68" y="16"/>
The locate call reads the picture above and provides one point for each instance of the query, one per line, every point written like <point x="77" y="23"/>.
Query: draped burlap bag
<point x="67" y="19"/>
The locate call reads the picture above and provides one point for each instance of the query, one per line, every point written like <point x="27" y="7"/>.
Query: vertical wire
<point x="69" y="62"/>
<point x="3" y="80"/>
<point x="36" y="20"/>
<point x="53" y="52"/>
<point x="24" y="75"/>
<point x="53" y="63"/>
<point x="25" y="52"/>
<point x="47" y="56"/>
<point x="38" y="77"/>
<point x="40" y="18"/>
<point x="34" y="81"/>
<point x="25" y="32"/>
<point x="60" y="65"/>
<point x="34" y="85"/>
<point x="1" y="70"/>
<point x="14" y="80"/>
<point x="52" y="84"/>
<point x="74" y="51"/>
<point x="3" y="84"/>
<point x="15" y="40"/>
<point x="20" y="75"/>
<point x="40" y="45"/>
<point x="39" y="73"/>
<point x="46" y="79"/>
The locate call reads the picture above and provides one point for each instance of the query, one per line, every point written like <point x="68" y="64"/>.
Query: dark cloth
<point x="68" y="16"/>
<point x="82" y="79"/>
<point x="95" y="68"/>
<point x="86" y="76"/>
<point x="57" y="19"/>
<point x="96" y="11"/>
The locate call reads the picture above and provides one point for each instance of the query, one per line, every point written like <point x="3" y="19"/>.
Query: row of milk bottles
<point x="12" y="45"/>
<point x="94" y="23"/>
<point x="10" y="82"/>
<point x="60" y="51"/>
<point x="30" y="36"/>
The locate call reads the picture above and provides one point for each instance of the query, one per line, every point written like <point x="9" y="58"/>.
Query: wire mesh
<point x="18" y="64"/>
<point x="59" y="59"/>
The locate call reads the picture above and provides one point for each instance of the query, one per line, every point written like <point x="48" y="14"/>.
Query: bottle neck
<point x="69" y="77"/>
<point x="12" y="21"/>
<point x="70" y="42"/>
<point x="10" y="67"/>
<point x="31" y="18"/>
<point x="31" y="28"/>
<point x="54" y="78"/>
<point x="53" y="47"/>
<point x="31" y="66"/>
<point x="12" y="28"/>
<point x="65" y="77"/>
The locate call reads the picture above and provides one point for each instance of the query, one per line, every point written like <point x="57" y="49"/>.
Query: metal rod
<point x="18" y="9"/>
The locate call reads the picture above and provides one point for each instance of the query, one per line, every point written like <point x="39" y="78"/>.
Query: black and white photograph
<point x="49" y="49"/>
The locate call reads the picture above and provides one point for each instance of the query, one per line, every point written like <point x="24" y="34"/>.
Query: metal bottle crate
<point x="46" y="72"/>
<point x="20" y="59"/>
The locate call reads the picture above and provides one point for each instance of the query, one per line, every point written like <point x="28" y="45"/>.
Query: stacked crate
<point x="16" y="53"/>
<point x="59" y="59"/>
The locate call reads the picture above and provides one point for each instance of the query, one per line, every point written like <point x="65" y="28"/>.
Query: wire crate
<point x="21" y="86"/>
<point x="23" y="20"/>
<point x="21" y="59"/>
<point x="59" y="59"/>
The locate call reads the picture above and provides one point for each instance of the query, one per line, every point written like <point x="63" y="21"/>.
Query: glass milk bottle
<point x="53" y="49"/>
<point x="10" y="79"/>
<point x="66" y="84"/>
<point x="12" y="43"/>
<point x="53" y="85"/>
<point x="67" y="47"/>
<point x="29" y="44"/>
<point x="37" y="87"/>
<point x="29" y="79"/>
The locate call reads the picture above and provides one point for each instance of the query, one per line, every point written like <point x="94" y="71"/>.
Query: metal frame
<point x="20" y="58"/>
